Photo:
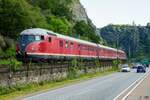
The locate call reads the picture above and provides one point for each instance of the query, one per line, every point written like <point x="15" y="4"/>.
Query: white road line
<point x="130" y="86"/>
<point x="125" y="97"/>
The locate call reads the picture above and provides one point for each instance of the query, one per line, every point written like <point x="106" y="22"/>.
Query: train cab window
<point x="67" y="44"/>
<point x="30" y="37"/>
<point x="42" y="37"/>
<point x="49" y="39"/>
<point x="61" y="43"/>
<point x="39" y="38"/>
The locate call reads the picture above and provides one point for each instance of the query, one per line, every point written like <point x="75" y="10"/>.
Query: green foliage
<point x="135" y="40"/>
<point x="86" y="31"/>
<point x="56" y="15"/>
<point x="17" y="15"/>
<point x="97" y="63"/>
<point x="2" y="43"/>
<point x="73" y="69"/>
<point x="8" y="53"/>
<point x="13" y="63"/>
<point x="81" y="28"/>
<point x="60" y="25"/>
<point x="50" y="14"/>
<point x="116" y="62"/>
<point x="7" y="47"/>
<point x="5" y="90"/>
<point x="80" y="64"/>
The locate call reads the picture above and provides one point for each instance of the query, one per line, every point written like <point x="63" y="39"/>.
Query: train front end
<point x="29" y="42"/>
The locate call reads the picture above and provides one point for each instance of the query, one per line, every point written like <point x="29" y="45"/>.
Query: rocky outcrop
<point x="79" y="13"/>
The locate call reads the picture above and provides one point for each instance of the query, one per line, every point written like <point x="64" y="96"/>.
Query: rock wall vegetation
<point x="63" y="16"/>
<point x="17" y="74"/>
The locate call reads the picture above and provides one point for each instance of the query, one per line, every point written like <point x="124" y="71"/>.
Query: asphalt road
<point x="141" y="91"/>
<point x="103" y="88"/>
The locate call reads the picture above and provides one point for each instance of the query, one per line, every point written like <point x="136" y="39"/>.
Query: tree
<point x="86" y="31"/>
<point x="17" y="15"/>
<point x="60" y="25"/>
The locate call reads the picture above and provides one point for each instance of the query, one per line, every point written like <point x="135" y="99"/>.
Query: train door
<point x="79" y="49"/>
<point x="61" y="46"/>
<point x="69" y="48"/>
<point x="72" y="48"/>
<point x="97" y="51"/>
<point x="52" y="41"/>
<point x="49" y="44"/>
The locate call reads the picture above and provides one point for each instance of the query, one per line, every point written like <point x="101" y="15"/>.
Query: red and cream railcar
<point x="37" y="44"/>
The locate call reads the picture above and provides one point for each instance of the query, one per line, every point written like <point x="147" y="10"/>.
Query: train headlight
<point x="33" y="49"/>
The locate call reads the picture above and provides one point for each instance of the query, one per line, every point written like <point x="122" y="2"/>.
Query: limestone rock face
<point x="79" y="12"/>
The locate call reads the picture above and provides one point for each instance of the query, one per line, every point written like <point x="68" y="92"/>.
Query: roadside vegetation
<point x="22" y="90"/>
<point x="133" y="39"/>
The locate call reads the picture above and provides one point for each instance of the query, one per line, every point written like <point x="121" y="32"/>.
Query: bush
<point x="19" y="15"/>
<point x="86" y="31"/>
<point x="116" y="63"/>
<point x="8" y="53"/>
<point x="60" y="25"/>
<point x="15" y="65"/>
<point x="97" y="63"/>
<point x="2" y="42"/>
<point x="73" y="69"/>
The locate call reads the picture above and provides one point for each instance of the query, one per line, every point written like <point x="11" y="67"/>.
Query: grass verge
<point x="34" y="88"/>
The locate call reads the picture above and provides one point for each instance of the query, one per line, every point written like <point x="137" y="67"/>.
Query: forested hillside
<point x="135" y="40"/>
<point x="63" y="16"/>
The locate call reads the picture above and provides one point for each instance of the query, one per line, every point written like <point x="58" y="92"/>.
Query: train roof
<point x="39" y="31"/>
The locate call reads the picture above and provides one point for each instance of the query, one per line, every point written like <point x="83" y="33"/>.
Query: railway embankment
<point x="39" y="72"/>
<point x="31" y="76"/>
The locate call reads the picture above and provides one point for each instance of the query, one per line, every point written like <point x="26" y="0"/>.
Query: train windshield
<point x="28" y="38"/>
<point x="31" y="38"/>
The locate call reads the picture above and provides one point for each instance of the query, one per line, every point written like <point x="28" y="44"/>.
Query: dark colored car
<point x="141" y="69"/>
<point x="134" y="67"/>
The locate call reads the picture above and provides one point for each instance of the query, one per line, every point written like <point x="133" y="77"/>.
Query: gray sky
<point x="104" y="12"/>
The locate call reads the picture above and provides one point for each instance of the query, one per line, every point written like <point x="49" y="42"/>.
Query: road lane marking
<point x="125" y="97"/>
<point x="136" y="81"/>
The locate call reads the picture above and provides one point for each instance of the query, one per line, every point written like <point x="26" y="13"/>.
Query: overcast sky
<point x="104" y="12"/>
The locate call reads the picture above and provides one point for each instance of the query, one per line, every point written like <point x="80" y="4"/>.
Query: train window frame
<point x="71" y="45"/>
<point x="61" y="44"/>
<point x="37" y="38"/>
<point x="49" y="39"/>
<point x="42" y="37"/>
<point x="67" y="44"/>
<point x="79" y="45"/>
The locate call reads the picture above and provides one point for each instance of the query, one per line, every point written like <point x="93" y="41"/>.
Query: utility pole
<point x="117" y="44"/>
<point x="129" y="51"/>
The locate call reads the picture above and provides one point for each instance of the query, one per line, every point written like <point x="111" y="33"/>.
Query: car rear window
<point x="140" y="67"/>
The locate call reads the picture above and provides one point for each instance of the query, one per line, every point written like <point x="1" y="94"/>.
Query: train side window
<point x="49" y="39"/>
<point x="61" y="43"/>
<point x="42" y="37"/>
<point x="37" y="38"/>
<point x="71" y="44"/>
<point x="67" y="45"/>
<point x="78" y="45"/>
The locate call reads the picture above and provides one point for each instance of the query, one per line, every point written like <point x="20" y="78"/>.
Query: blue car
<point x="141" y="69"/>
